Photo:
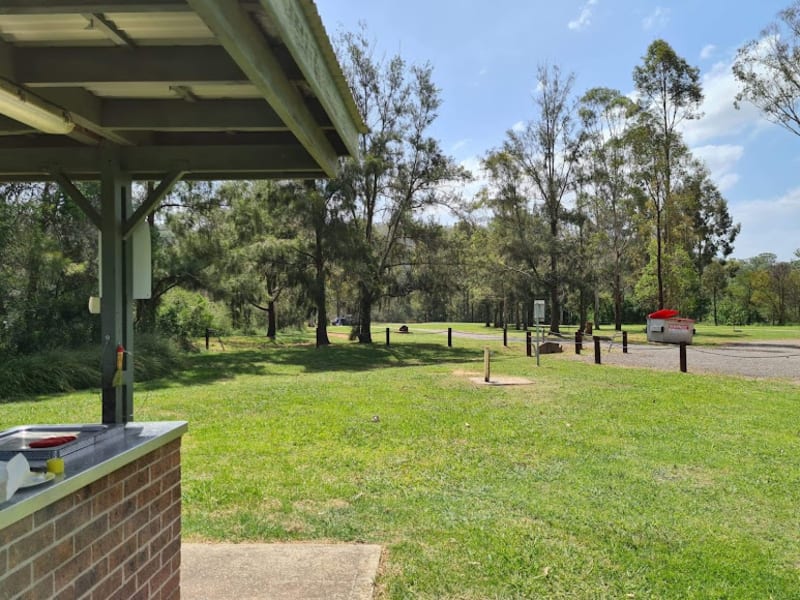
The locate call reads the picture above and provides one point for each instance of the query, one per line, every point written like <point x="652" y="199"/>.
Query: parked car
<point x="343" y="320"/>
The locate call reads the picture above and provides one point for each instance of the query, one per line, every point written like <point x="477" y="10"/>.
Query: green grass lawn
<point x="592" y="482"/>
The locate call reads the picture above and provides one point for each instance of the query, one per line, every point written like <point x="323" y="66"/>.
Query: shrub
<point x="186" y="314"/>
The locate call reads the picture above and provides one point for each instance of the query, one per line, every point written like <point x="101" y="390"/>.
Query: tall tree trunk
<point x="659" y="266"/>
<point x="364" y="326"/>
<point x="555" y="304"/>
<point x="583" y="310"/>
<point x="271" y="320"/>
<point x="596" y="309"/>
<point x="617" y="302"/>
<point x="320" y="291"/>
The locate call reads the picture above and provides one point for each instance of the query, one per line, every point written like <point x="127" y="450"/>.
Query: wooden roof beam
<point x="244" y="42"/>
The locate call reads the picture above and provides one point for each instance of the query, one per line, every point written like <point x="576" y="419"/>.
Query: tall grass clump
<point x="57" y="371"/>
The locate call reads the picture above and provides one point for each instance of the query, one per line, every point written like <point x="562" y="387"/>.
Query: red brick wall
<point x="117" y="538"/>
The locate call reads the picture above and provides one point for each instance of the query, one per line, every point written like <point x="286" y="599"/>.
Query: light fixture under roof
<point x="20" y="105"/>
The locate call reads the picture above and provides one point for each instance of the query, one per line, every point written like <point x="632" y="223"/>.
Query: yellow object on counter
<point x="55" y="466"/>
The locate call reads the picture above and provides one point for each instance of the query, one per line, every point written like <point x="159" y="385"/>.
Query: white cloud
<point x="768" y="226"/>
<point x="518" y="127"/>
<point x="584" y="18"/>
<point x="707" y="51"/>
<point x="720" y="118"/>
<point x="657" y="19"/>
<point x="721" y="161"/>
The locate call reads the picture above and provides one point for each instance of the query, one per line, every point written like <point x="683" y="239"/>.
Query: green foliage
<point x="768" y="70"/>
<point x="186" y="314"/>
<point x="47" y="270"/>
<point x="401" y="170"/>
<point x="66" y="370"/>
<point x="680" y="279"/>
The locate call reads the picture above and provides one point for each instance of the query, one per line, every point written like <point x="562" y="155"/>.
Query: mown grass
<point x="591" y="482"/>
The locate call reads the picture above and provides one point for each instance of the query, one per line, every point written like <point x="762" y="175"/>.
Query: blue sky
<point x="485" y="56"/>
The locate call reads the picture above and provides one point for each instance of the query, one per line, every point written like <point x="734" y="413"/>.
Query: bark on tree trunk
<point x="320" y="291"/>
<point x="555" y="305"/>
<point x="583" y="310"/>
<point x="364" y="315"/>
<point x="659" y="267"/>
<point x="271" y="321"/>
<point x="617" y="302"/>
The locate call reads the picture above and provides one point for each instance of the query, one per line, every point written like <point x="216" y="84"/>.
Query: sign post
<point x="538" y="317"/>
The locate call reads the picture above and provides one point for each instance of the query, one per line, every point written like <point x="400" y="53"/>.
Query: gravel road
<point x="750" y="359"/>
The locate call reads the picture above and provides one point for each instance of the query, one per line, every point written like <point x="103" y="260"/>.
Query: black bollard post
<point x="578" y="342"/>
<point x="528" y="343"/>
<point x="387" y="336"/>
<point x="208" y="334"/>
<point x="449" y="337"/>
<point x="505" y="335"/>
<point x="624" y="342"/>
<point x="596" y="350"/>
<point x="683" y="357"/>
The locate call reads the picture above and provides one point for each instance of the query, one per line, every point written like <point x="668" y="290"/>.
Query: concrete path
<point x="278" y="571"/>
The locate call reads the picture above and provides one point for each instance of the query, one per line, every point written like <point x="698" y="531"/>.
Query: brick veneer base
<point x="117" y="538"/>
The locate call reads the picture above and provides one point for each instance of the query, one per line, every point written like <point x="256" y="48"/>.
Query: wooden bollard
<point x="624" y="342"/>
<point x="449" y="337"/>
<point x="387" y="336"/>
<point x="578" y="342"/>
<point x="683" y="356"/>
<point x="486" y="369"/>
<point x="596" y="350"/>
<point x="527" y="343"/>
<point x="505" y="335"/>
<point x="208" y="334"/>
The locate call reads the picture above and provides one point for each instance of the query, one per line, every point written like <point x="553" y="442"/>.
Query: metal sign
<point x="538" y="311"/>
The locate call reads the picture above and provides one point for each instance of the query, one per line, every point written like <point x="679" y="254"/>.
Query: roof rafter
<point x="145" y="162"/>
<point x="239" y="35"/>
<point x="200" y="115"/>
<point x="99" y="21"/>
<point x="77" y="66"/>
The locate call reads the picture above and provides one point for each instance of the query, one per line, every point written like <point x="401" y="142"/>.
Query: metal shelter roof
<point x="211" y="89"/>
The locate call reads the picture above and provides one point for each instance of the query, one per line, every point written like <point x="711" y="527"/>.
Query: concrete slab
<point x="278" y="571"/>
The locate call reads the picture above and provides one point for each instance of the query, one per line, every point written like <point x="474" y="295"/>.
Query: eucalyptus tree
<point x="542" y="156"/>
<point x="669" y="93"/>
<point x="608" y="117"/>
<point x="314" y="221"/>
<point x="704" y="226"/>
<point x="768" y="70"/>
<point x="400" y="171"/>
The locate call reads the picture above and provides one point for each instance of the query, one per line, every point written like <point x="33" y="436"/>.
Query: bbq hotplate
<point x="19" y="440"/>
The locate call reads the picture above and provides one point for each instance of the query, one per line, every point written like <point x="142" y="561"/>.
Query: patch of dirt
<point x="500" y="380"/>
<point x="460" y="373"/>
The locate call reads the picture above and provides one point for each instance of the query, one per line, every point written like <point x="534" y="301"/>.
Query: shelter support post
<point x="117" y="292"/>
<point x="116" y="221"/>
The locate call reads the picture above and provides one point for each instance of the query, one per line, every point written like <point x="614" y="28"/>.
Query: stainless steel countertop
<point x="115" y="450"/>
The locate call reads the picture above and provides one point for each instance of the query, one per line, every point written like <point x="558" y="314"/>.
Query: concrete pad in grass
<point x="279" y="571"/>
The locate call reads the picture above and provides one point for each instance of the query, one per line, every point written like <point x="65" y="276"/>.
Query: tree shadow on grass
<point x="211" y="367"/>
